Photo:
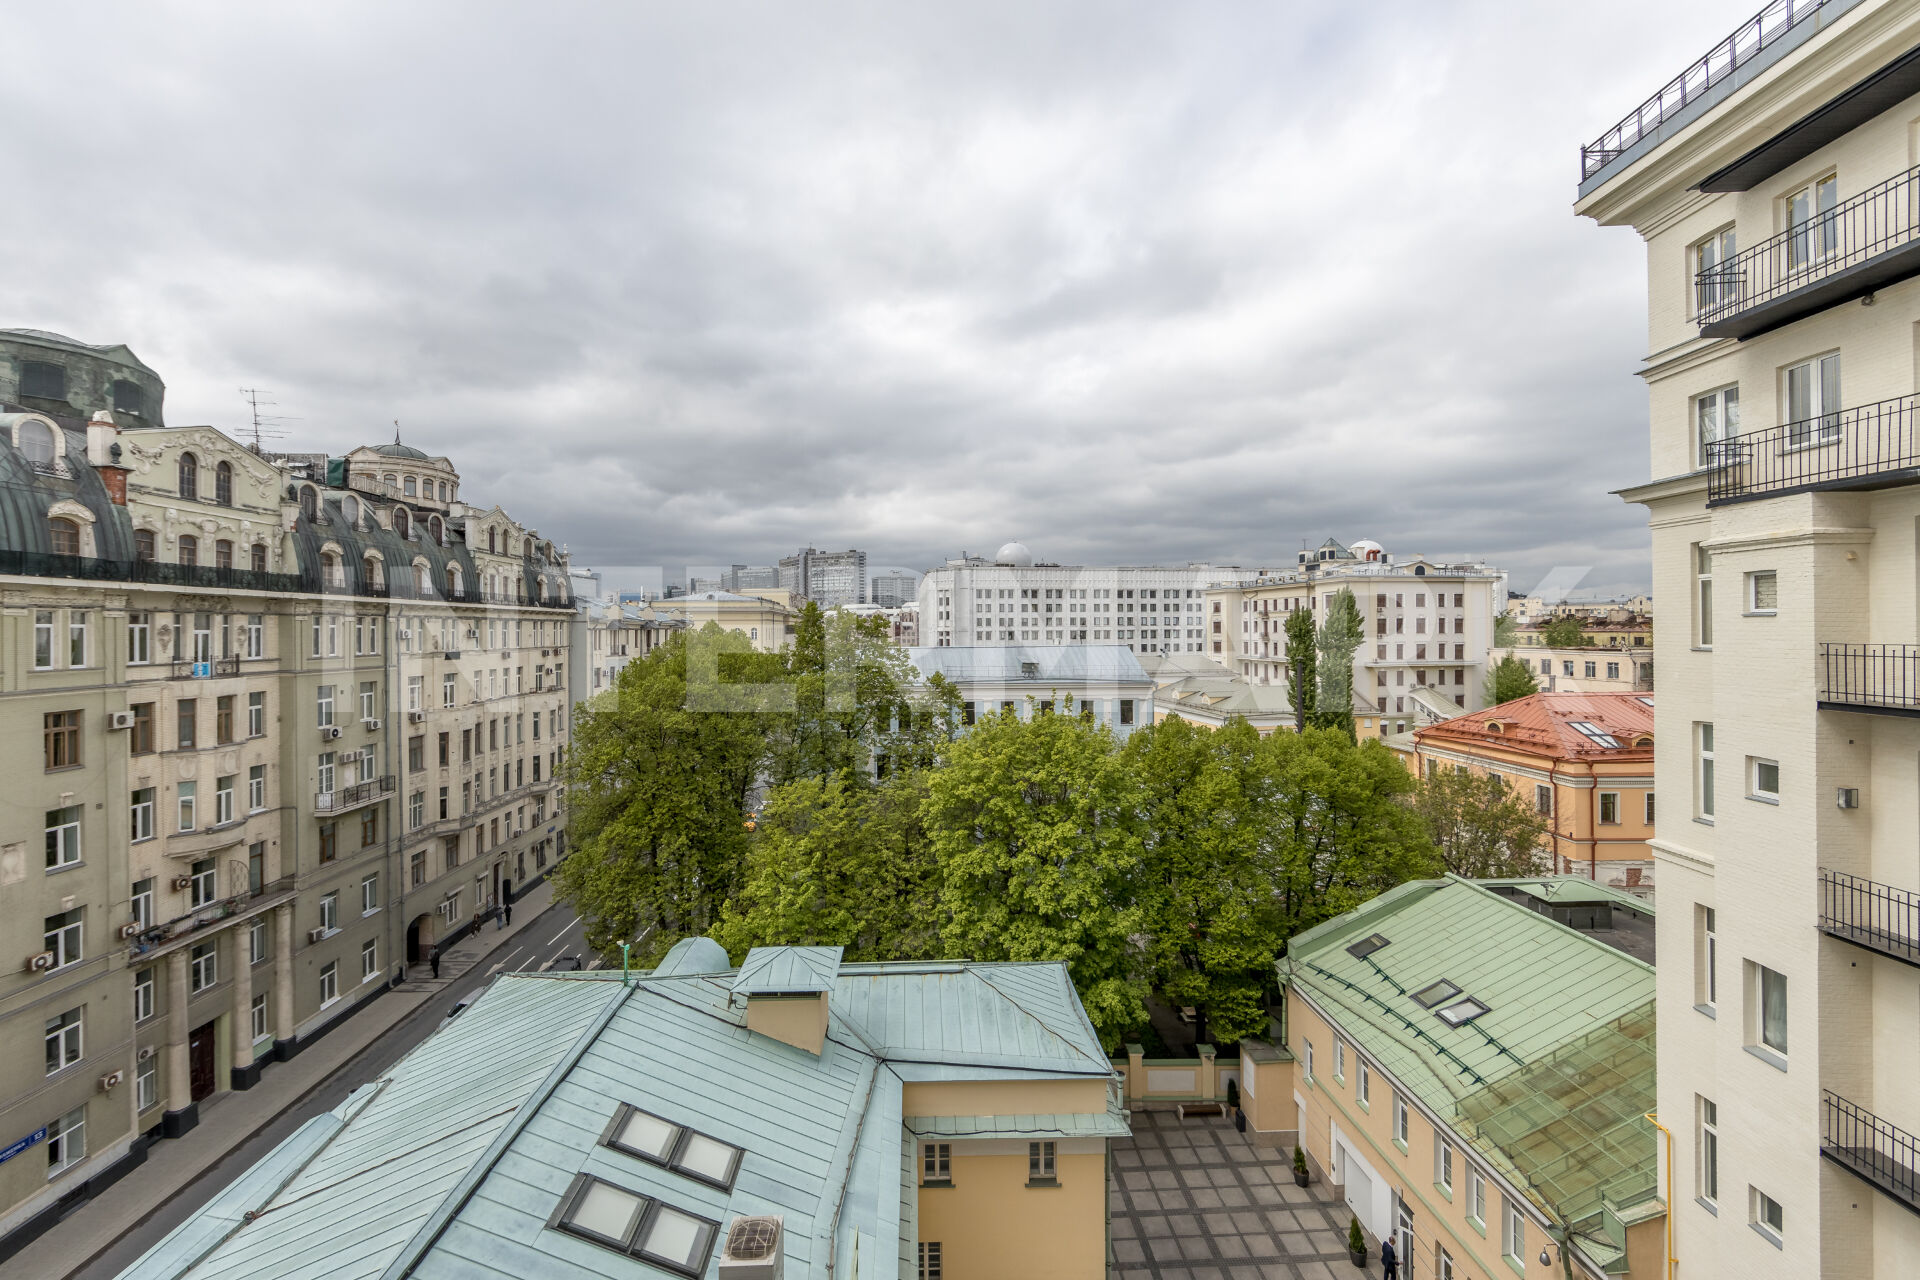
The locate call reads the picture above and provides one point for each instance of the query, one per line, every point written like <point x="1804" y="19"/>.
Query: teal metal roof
<point x="693" y="955"/>
<point x="451" y="1170"/>
<point x="781" y="970"/>
<point x="1111" y="1123"/>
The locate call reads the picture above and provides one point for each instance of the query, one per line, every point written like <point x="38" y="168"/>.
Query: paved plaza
<point x="1195" y="1200"/>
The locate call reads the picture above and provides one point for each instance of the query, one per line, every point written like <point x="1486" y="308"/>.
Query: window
<point x="1703" y="577"/>
<point x="1443" y="1167"/>
<point x="67" y="1141"/>
<point x="256" y="788"/>
<point x="1769" y="1219"/>
<point x="200" y="883"/>
<point x="143" y="995"/>
<point x="61" y="936"/>
<point x="1716" y="418"/>
<point x="42" y="380"/>
<point x="1542" y="799"/>
<point x="618" y="1219"/>
<point x="256" y="636"/>
<point x="186" y="713"/>
<point x="369" y="895"/>
<point x="203" y="966"/>
<point x="76" y="638"/>
<point x="369" y="827"/>
<point x="1443" y="1265"/>
<point x="1703" y="784"/>
<point x="330" y="912"/>
<point x="1649" y="806"/>
<point x="42" y="639"/>
<point x="258" y="1022"/>
<point x="662" y="1142"/>
<point x="146" y="1081"/>
<point x="1813" y="402"/>
<point x="1400" y="1123"/>
<point x="257" y="559"/>
<point x="143" y="902"/>
<point x="62" y="730"/>
<point x="223" y="719"/>
<point x="1763" y="778"/>
<point x="1767" y="995"/>
<point x="1810" y="224"/>
<point x="1363" y="1086"/>
<point x="1610" y="807"/>
<point x="1040" y="1163"/>
<point x="256" y="715"/>
<point x="222" y="554"/>
<point x="139" y="638"/>
<point x="140" y="812"/>
<point x="323" y="705"/>
<point x="1340" y="1060"/>
<point x="1709" y="1155"/>
<point x="1477" y="1199"/>
<point x="223" y="800"/>
<point x="63" y="837"/>
<point x="446" y="689"/>
<point x="1613" y="670"/>
<point x="64" y="1041"/>
<point x="256" y="867"/>
<point x="930" y="1261"/>
<point x="223" y="484"/>
<point x="256" y="945"/>
<point x="63" y="536"/>
<point x="189" y="549"/>
<point x="1763" y="592"/>
<point x="144" y="546"/>
<point x="1513" y="1237"/>
<point x="936" y="1162"/>
<point x="185" y="793"/>
<point x="1306" y="1059"/>
<point x="329" y="983"/>
<point x="369" y="960"/>
<point x="189" y="476"/>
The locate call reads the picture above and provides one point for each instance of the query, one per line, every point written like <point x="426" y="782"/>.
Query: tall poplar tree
<point x="1302" y="678"/>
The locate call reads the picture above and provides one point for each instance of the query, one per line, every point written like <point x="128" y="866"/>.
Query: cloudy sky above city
<point x="1134" y="283"/>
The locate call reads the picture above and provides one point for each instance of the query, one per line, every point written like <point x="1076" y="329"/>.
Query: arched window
<point x="443" y="491"/>
<point x="400" y="526"/>
<point x="370" y="574"/>
<point x="350" y="508"/>
<point x="309" y="505"/>
<point x="329" y="569"/>
<point x="453" y="579"/>
<point x="493" y="547"/>
<point x="189" y="476"/>
<point x="259" y="557"/>
<point x="143" y="544"/>
<point x="438" y="530"/>
<point x="223" y="554"/>
<point x="36" y="441"/>
<point x="64" y="535"/>
<point x="393" y="481"/>
<point x="412" y="488"/>
<point x="223" y="484"/>
<point x="189" y="549"/>
<point x="422" y="580"/>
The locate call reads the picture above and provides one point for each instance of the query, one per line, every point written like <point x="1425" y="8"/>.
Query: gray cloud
<point x="1131" y="282"/>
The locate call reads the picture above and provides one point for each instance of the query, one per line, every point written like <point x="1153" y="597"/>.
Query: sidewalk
<point x="229" y="1119"/>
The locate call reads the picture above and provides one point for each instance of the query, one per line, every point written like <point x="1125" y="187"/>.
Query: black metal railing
<point x="40" y="564"/>
<point x="1850" y="448"/>
<point x="206" y="668"/>
<point x="352" y="797"/>
<point x="1876" y="221"/>
<point x="1712" y="68"/>
<point x="1867" y="913"/>
<point x="1871" y="1148"/>
<point x="1871" y="675"/>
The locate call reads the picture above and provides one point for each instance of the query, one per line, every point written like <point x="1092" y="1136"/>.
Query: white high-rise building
<point x="1014" y="599"/>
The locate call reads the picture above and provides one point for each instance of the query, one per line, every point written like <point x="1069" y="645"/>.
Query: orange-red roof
<point x="1547" y="723"/>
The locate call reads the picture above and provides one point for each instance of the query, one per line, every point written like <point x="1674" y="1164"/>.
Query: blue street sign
<point x="37" y="1136"/>
<point x="202" y="670"/>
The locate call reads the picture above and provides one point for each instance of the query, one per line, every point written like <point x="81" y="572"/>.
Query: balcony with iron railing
<point x="1870" y="446"/>
<point x="1842" y="253"/>
<point x="1877" y="1152"/>
<point x="355" y="796"/>
<point x="1882" y="679"/>
<point x="206" y="668"/>
<point x="1878" y="917"/>
<point x="1711" y="77"/>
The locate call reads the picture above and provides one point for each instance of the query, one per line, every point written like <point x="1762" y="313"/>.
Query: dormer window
<point x="400" y="525"/>
<point x="127" y="397"/>
<point x="370" y="573"/>
<point x="143" y="545"/>
<point x="42" y="381"/>
<point x="189" y="477"/>
<point x="438" y="530"/>
<point x="309" y="505"/>
<point x="36" y="442"/>
<point x="329" y="569"/>
<point x="350" y="508"/>
<point x="63" y="535"/>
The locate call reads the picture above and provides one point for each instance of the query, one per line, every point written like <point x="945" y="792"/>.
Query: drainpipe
<point x="1593" y="826"/>
<point x="1653" y="1118"/>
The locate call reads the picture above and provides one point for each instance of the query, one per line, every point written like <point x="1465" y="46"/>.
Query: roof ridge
<point x="1105" y="1064"/>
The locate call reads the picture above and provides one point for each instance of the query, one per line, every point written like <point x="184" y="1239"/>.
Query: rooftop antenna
<point x="264" y="426"/>
<point x="396" y="431"/>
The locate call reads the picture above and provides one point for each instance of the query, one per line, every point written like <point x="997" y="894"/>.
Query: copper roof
<point x="1547" y="724"/>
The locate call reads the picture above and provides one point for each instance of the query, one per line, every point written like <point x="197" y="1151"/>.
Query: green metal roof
<point x="1550" y="1083"/>
<point x="1111" y="1123"/>
<point x="779" y="970"/>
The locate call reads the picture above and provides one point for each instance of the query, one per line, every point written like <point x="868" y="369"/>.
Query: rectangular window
<point x="1715" y="283"/>
<point x="140" y="740"/>
<point x="1763" y="592"/>
<point x="185" y="792"/>
<point x="186" y="723"/>
<point x="1040" y="1162"/>
<point x="369" y="699"/>
<point x="223" y="719"/>
<point x="223" y="800"/>
<point x="1613" y="671"/>
<point x="1542" y="799"/>
<point x="369" y="960"/>
<point x="931" y="1263"/>
<point x="1649" y="806"/>
<point x="63" y="837"/>
<point x="329" y="983"/>
<point x="67" y="1141"/>
<point x="1363" y="1085"/>
<point x="1703" y="611"/>
<point x="43" y="639"/>
<point x="64" y="1040"/>
<point x="1709" y="1170"/>
<point x="1768" y="995"/>
<point x="1813" y="402"/>
<point x="1610" y="807"/>
<point x="1703" y="783"/>
<point x="62" y="937"/>
<point x="139" y="639"/>
<point x="1306" y="1059"/>
<point x="256" y="715"/>
<point x="1339" y="1060"/>
<point x="1812" y="235"/>
<point x="256" y="788"/>
<point x="446" y="689"/>
<point x="1763" y="778"/>
<point x="203" y="966"/>
<point x="1716" y="419"/>
<point x="369" y="895"/>
<point x="256" y="867"/>
<point x="323" y="705"/>
<point x="256" y="942"/>
<point x="1769" y="1219"/>
<point x="256" y="635"/>
<point x="1477" y="1199"/>
<point x="76" y="638"/>
<point x="257" y="1025"/>
<point x="1400" y="1124"/>
<point x="1443" y="1167"/>
<point x="936" y="1162"/>
<point x="1514" y="1237"/>
<point x="143" y="995"/>
<point x="143" y="902"/>
<point x="329" y="841"/>
<point x="62" y="739"/>
<point x="330" y="912"/>
<point x="416" y="810"/>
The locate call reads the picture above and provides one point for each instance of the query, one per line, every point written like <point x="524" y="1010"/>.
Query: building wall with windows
<point x="248" y="681"/>
<point x="1104" y="683"/>
<point x="1584" y="670"/>
<point x="1782" y="318"/>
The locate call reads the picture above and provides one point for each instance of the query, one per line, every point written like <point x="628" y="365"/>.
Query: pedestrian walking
<point x="433" y="958"/>
<point x="506" y="902"/>
<point x="1389" y="1261"/>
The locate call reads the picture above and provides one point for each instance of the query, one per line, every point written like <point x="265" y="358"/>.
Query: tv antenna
<point x="265" y="426"/>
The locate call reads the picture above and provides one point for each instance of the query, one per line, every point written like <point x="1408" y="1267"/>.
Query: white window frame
<point x="203" y="967"/>
<point x="256" y="788"/>
<point x="1811" y="401"/>
<point x="1513" y="1235"/>
<point x="330" y="911"/>
<point x="1756" y="765"/>
<point x="1609" y="810"/>
<point x="1477" y="1198"/>
<point x="257" y="1017"/>
<point x="1443" y="1166"/>
<point x="1703" y="596"/>
<point x="329" y="984"/>
<point x="146" y="1083"/>
<point x="1042" y="1165"/>
<point x="1707" y="1161"/>
<point x="1704" y="795"/>
<point x="369" y="960"/>
<point x="67" y="1141"/>
<point x="1763" y="1207"/>
<point x="1363" y="1085"/>
<point x="201" y="884"/>
<point x="1716" y="420"/>
<point x="1767" y="989"/>
<point x="66" y="1040"/>
<point x="257" y="714"/>
<point x="369" y="895"/>
<point x="936" y="1162"/>
<point x="141" y="813"/>
<point x="1402" y="1126"/>
<point x="1754" y="579"/>
<point x="66" y="940"/>
<point x="139" y="639"/>
<point x="63" y="844"/>
<point x="257" y="942"/>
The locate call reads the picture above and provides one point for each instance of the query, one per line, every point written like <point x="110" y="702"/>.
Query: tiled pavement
<point x="1194" y="1200"/>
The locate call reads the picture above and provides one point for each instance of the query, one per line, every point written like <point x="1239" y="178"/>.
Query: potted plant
<point x="1356" y="1243"/>
<point x="1299" y="1167"/>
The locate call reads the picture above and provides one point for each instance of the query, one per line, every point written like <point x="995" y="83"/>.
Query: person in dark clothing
<point x="1389" y="1261"/>
<point x="433" y="958"/>
<point x="506" y="903"/>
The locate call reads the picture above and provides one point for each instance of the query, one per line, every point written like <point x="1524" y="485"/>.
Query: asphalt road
<point x="554" y="933"/>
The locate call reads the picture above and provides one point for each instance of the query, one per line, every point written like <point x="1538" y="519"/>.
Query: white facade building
<point x="1012" y="599"/>
<point x="1104" y="682"/>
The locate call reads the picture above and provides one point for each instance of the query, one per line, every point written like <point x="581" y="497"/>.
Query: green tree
<point x="1506" y="632"/>
<point x="1480" y="826"/>
<point x="1340" y="634"/>
<point x="1510" y="678"/>
<point x="1302" y="676"/>
<point x="657" y="789"/>
<point x="838" y="863"/>
<point x="1564" y="632"/>
<point x="858" y="702"/>
<point x="1035" y="826"/>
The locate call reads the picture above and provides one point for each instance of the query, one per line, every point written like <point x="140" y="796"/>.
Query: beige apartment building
<point x="1776" y="183"/>
<point x="1428" y="625"/>
<point x="277" y="724"/>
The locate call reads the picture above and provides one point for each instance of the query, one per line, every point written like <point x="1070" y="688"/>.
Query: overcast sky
<point x="1134" y="283"/>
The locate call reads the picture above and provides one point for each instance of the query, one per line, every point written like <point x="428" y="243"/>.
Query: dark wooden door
<point x="200" y="1060"/>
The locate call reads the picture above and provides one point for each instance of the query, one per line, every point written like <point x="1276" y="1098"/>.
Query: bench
<point x="1190" y="1109"/>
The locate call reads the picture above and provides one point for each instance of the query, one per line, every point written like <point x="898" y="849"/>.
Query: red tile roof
<point x="1544" y="723"/>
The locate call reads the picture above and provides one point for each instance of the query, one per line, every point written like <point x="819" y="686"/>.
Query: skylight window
<point x="618" y="1219"/>
<point x="1432" y="994"/>
<point x="1595" y="732"/>
<point x="1461" y="1012"/>
<point x="662" y="1142"/>
<point x="1367" y="946"/>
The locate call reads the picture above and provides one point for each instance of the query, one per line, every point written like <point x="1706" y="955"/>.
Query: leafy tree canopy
<point x="1510" y="678"/>
<point x="1480" y="826"/>
<point x="1564" y="632"/>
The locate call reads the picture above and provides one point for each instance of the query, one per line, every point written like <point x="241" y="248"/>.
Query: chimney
<point x="786" y="993"/>
<point x="103" y="452"/>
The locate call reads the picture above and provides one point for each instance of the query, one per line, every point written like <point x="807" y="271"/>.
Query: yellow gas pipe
<point x="1653" y="1118"/>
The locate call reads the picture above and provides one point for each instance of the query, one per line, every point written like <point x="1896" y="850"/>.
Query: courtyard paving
<point x="1195" y="1200"/>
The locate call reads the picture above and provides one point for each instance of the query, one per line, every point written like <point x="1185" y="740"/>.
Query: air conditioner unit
<point x="40" y="962"/>
<point x="755" y="1248"/>
<point x="316" y="934"/>
<point x="405" y="634"/>
<point x="119" y="719"/>
<point x="147" y="1051"/>
<point x="372" y="725"/>
<point x="181" y="882"/>
<point x="329" y="731"/>
<point x="111" y="1079"/>
<point x="130" y="928"/>
<point x="415" y="717"/>
<point x="473" y="633"/>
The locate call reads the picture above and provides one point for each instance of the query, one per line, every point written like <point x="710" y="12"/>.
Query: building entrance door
<point x="1403" y="1237"/>
<point x="200" y="1060"/>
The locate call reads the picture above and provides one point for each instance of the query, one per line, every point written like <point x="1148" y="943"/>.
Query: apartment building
<point x="894" y="589"/>
<point x="279" y="724"/>
<point x="764" y="617"/>
<point x="1584" y="669"/>
<point x="607" y="636"/>
<point x="1104" y="683"/>
<point x="1583" y="761"/>
<point x="1428" y="624"/>
<point x="1014" y="599"/>
<point x="1775" y="183"/>
<point x="827" y="578"/>
<point x="792" y="1117"/>
<point x="1472" y="1074"/>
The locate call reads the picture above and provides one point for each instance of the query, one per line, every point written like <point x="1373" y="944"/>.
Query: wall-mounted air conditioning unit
<point x="181" y="882"/>
<point x="405" y="634"/>
<point x="40" y="962"/>
<point x="755" y="1248"/>
<point x="130" y="928"/>
<point x="415" y="717"/>
<point x="329" y="731"/>
<point x="316" y="934"/>
<point x="119" y="719"/>
<point x="373" y="726"/>
<point x="147" y="1051"/>
<point x="111" y="1079"/>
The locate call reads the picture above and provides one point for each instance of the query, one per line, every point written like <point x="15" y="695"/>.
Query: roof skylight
<point x="618" y="1219"/>
<point x="1461" y="1012"/>
<point x="1432" y="994"/>
<point x="1367" y="946"/>
<point x="1595" y="732"/>
<point x="662" y="1142"/>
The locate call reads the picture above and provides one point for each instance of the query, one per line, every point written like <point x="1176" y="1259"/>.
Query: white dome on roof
<point x="1368" y="549"/>
<point x="1015" y="554"/>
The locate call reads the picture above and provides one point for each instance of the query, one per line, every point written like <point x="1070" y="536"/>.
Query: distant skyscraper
<point x="826" y="577"/>
<point x="891" y="590"/>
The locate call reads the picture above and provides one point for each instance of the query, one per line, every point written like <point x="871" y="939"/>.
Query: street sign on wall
<point x="37" y="1136"/>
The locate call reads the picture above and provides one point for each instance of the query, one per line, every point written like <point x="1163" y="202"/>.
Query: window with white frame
<point x="1813" y="401"/>
<point x="140" y="814"/>
<point x="1767" y="1005"/>
<point x="1306" y="1059"/>
<point x="1513" y="1234"/>
<point x="1477" y="1198"/>
<point x="329" y="983"/>
<point x="1703" y="596"/>
<point x="1769" y="1219"/>
<point x="1812" y="234"/>
<point x="143" y="995"/>
<point x="1040" y="1162"/>
<point x="936" y="1162"/>
<point x="203" y="966"/>
<point x="146" y="1082"/>
<point x="1715" y="283"/>
<point x="43" y="639"/>
<point x="1763" y="592"/>
<point x="323" y="705"/>
<point x="1706" y="985"/>
<point x="330" y="911"/>
<point x="1363" y="1085"/>
<point x="369" y="960"/>
<point x="1400" y="1124"/>
<point x="256" y="636"/>
<point x="1716" y="419"/>
<point x="63" y="837"/>
<point x="1339" y="1059"/>
<point x="257" y="1017"/>
<point x="65" y="1040"/>
<point x="1708" y="1171"/>
<point x="1443" y="1166"/>
<point x="201" y="883"/>
<point x="931" y="1260"/>
<point x="61" y="937"/>
<point x="257" y="941"/>
<point x="187" y="793"/>
<point x="1610" y="808"/>
<point x="223" y="800"/>
<point x="256" y="788"/>
<point x="67" y="1141"/>
<point x="139" y="639"/>
<point x="369" y="895"/>
<point x="1703" y="773"/>
<point x="1763" y="778"/>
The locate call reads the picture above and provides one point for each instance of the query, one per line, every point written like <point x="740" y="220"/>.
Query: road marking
<point x="563" y="933"/>
<point x="510" y="955"/>
<point x="528" y="967"/>
<point x="595" y="964"/>
<point x="497" y="968"/>
<point x="547" y="966"/>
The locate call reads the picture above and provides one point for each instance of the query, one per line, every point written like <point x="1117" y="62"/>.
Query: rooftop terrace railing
<point x="1869" y="914"/>
<point x="1870" y="1148"/>
<point x="1871" y="677"/>
<point x="1711" y="68"/>
<point x="1868" y="446"/>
